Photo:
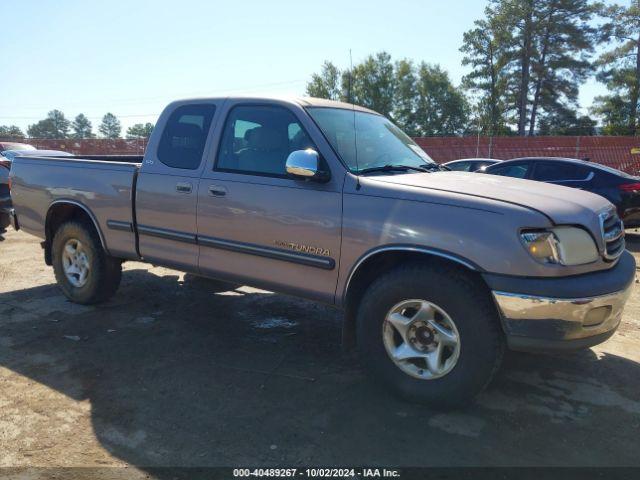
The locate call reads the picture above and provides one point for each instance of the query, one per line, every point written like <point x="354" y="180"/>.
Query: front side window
<point x="184" y="136"/>
<point x="366" y="140"/>
<point x="480" y="166"/>
<point x="258" y="140"/>
<point x="558" y="172"/>
<point x="517" y="171"/>
<point x="460" y="166"/>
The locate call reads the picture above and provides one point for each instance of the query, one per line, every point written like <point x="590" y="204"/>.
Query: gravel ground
<point x="179" y="371"/>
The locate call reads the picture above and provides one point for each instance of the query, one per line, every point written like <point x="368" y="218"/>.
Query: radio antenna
<point x="355" y="131"/>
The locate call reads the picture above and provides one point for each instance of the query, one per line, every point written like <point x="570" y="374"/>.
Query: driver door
<point x="256" y="224"/>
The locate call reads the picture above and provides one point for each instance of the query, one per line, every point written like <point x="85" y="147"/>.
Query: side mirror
<point x="305" y="165"/>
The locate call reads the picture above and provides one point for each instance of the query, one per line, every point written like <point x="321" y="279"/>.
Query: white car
<point x="470" y="164"/>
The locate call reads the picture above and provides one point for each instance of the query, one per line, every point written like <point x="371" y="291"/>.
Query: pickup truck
<point x="438" y="272"/>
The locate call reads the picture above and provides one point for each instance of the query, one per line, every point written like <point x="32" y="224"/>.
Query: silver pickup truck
<point x="437" y="271"/>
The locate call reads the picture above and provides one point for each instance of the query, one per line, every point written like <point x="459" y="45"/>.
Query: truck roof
<point x="302" y="101"/>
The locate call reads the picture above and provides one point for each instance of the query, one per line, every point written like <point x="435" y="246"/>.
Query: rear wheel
<point x="83" y="270"/>
<point x="430" y="333"/>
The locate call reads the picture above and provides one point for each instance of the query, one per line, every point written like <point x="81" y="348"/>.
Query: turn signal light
<point x="630" y="187"/>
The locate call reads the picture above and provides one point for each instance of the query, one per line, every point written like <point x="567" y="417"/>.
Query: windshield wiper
<point x="395" y="168"/>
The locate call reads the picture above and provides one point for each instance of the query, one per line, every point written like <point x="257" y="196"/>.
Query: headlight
<point x="560" y="245"/>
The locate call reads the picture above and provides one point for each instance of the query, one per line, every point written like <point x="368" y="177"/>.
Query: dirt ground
<point x="177" y="371"/>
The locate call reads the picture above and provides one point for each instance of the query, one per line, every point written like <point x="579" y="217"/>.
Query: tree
<point x="110" y="126"/>
<point x="567" y="123"/>
<point x="483" y="49"/>
<point x="54" y="126"/>
<point x="564" y="44"/>
<point x="442" y="109"/>
<point x="421" y="100"/>
<point x="82" y="127"/>
<point x="615" y="113"/>
<point x="371" y="83"/>
<point x="619" y="69"/>
<point x="538" y="49"/>
<point x="519" y="18"/>
<point x="140" y="130"/>
<point x="406" y="97"/>
<point x="10" y="131"/>
<point x="326" y="84"/>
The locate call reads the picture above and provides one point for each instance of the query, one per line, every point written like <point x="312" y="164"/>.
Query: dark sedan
<point x="621" y="189"/>
<point x="470" y="164"/>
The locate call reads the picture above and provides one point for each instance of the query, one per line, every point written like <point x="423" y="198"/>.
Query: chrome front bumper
<point x="546" y="323"/>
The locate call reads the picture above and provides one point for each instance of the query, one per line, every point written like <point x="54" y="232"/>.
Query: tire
<point x="103" y="272"/>
<point x="447" y="295"/>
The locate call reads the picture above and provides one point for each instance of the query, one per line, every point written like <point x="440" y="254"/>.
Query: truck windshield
<point x="366" y="141"/>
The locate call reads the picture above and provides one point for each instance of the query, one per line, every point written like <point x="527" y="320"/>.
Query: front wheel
<point x="431" y="333"/>
<point x="83" y="270"/>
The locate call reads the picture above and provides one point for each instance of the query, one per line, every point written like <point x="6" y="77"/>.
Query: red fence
<point x="90" y="146"/>
<point x="617" y="152"/>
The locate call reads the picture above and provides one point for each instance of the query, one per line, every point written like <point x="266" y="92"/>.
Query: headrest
<point x="264" y="138"/>
<point x="186" y="135"/>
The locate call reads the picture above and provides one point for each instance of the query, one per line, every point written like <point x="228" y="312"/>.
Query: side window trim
<point x="223" y="125"/>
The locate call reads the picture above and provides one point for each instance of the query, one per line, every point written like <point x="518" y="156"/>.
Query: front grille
<point x="612" y="234"/>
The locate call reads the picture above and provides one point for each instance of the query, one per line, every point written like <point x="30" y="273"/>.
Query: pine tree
<point x="406" y="97"/>
<point x="619" y="70"/>
<point x="82" y="127"/>
<point x="484" y="53"/>
<point x="140" y="130"/>
<point x="10" y="131"/>
<point x="54" y="126"/>
<point x="564" y="43"/>
<point x="110" y="126"/>
<point x="532" y="55"/>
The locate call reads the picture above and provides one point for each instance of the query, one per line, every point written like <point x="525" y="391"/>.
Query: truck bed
<point x="102" y="185"/>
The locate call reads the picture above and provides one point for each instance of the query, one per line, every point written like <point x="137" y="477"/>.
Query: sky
<point x="133" y="57"/>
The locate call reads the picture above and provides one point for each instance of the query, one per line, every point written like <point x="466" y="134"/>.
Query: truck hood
<point x="562" y="205"/>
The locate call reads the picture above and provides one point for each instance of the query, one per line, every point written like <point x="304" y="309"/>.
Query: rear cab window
<point x="184" y="136"/>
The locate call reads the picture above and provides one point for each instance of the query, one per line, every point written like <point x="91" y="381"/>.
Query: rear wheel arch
<point x="62" y="211"/>
<point x="378" y="262"/>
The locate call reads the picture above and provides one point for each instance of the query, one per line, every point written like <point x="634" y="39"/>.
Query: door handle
<point x="183" y="187"/>
<point x="217" y="191"/>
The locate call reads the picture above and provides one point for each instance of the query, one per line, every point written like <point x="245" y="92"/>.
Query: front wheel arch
<point x="373" y="265"/>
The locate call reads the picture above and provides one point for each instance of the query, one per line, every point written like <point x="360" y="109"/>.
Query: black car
<point x="621" y="189"/>
<point x="470" y="164"/>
